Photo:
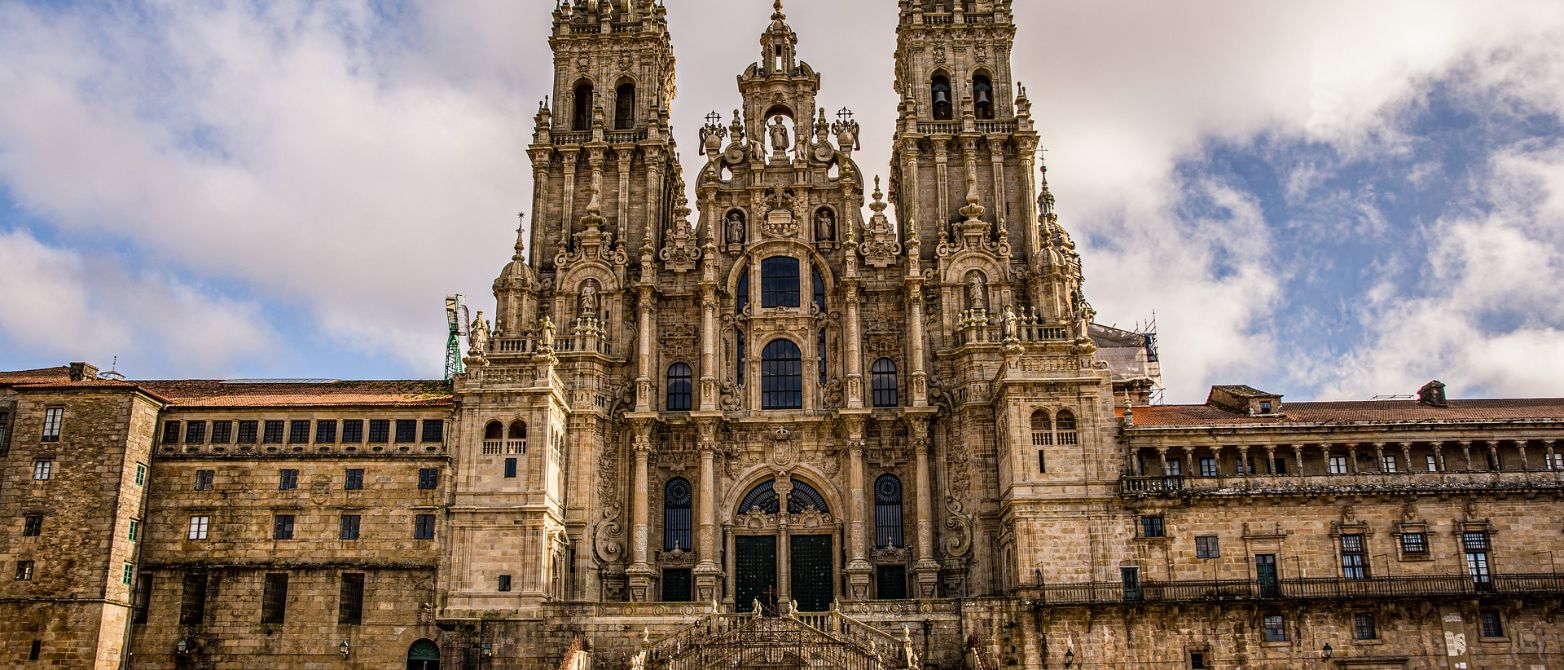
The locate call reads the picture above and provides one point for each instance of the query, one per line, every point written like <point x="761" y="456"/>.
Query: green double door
<point x="809" y="566"/>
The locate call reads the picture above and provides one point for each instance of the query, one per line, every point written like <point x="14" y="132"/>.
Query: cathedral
<point x="812" y="419"/>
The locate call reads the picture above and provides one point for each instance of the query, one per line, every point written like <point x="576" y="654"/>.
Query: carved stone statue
<point x="779" y="136"/>
<point x="735" y="227"/>
<point x="1010" y="324"/>
<point x="478" y="337"/>
<point x="977" y="293"/>
<point x="588" y="299"/>
<point x="825" y="225"/>
<point x="546" y="339"/>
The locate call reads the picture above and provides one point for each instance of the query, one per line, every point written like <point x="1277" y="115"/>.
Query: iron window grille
<point x="677" y="506"/>
<point x="888" y="511"/>
<point x="274" y="599"/>
<point x="350" y="599"/>
<point x="1363" y="626"/>
<point x="192" y="599"/>
<point x="1354" y="563"/>
<point x="1414" y="543"/>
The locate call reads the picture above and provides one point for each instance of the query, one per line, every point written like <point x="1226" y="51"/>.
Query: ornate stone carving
<point x="958" y="526"/>
<point x="880" y="248"/>
<point x="681" y="250"/>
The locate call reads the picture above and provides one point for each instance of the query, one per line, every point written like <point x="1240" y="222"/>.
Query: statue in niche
<point x="825" y="225"/>
<point x="735" y="227"/>
<point x="779" y="137"/>
<point x="977" y="291"/>
<point x="588" y="305"/>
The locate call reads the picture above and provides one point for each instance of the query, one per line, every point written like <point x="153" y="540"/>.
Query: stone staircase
<point x="793" y="640"/>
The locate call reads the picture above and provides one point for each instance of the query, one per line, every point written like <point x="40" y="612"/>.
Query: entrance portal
<point x="423" y="655"/>
<point x="811" y="573"/>
<point x="755" y="568"/>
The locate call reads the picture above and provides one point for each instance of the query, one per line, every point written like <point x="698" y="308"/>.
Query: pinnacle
<point x="776" y="14"/>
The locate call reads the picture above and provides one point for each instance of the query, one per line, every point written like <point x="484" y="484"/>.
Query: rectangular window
<point x="353" y="479"/>
<point x="282" y="527"/>
<point x="1197" y="661"/>
<point x="1275" y="628"/>
<point x="204" y="479"/>
<point x="143" y="599"/>
<point x="1433" y="463"/>
<point x="1042" y="462"/>
<point x="352" y="431"/>
<point x="350" y="601"/>
<point x="24" y="570"/>
<point x="170" y="432"/>
<point x="434" y="430"/>
<point x="299" y="432"/>
<point x="326" y="431"/>
<point x="676" y="586"/>
<point x="779" y="282"/>
<point x="406" y="431"/>
<point x="247" y="432"/>
<point x="195" y="432"/>
<point x="273" y="433"/>
<point x="1387" y="464"/>
<point x="423" y="527"/>
<point x="274" y="598"/>
<point x="379" y="431"/>
<point x="1175" y="468"/>
<point x="32" y="525"/>
<point x="504" y="583"/>
<point x="1476" y="546"/>
<point x="199" y="526"/>
<point x="1207" y="546"/>
<point x="510" y="468"/>
<point x="1414" y="543"/>
<point x="222" y="432"/>
<point x="192" y="600"/>
<point x="890" y="582"/>
<point x="1363" y="627"/>
<point x="43" y="470"/>
<point x="1474" y="541"/>
<point x="1354" y="563"/>
<point x="141" y="474"/>
<point x="287" y="479"/>
<point x="1151" y="526"/>
<point x="1492" y="624"/>
<point x="1337" y="465"/>
<point x="428" y="478"/>
<point x="1555" y="460"/>
<point x="128" y="576"/>
<point x="52" y="418"/>
<point x="349" y="527"/>
<point x="1207" y="467"/>
<point x="5" y="428"/>
<point x="135" y="529"/>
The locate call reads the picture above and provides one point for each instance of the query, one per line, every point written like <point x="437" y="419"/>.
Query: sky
<point x="1332" y="199"/>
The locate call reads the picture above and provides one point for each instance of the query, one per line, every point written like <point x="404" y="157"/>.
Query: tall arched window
<point x="1064" y="425"/>
<point x="887" y="512"/>
<point x="819" y="286"/>
<point x="624" y="106"/>
<point x="679" y="388"/>
<point x="944" y="109"/>
<point x="516" y="438"/>
<point x="741" y="296"/>
<point x="493" y="437"/>
<point x="1042" y="437"/>
<point x="781" y="376"/>
<point x="982" y="97"/>
<point x="581" y="119"/>
<point x="883" y="381"/>
<point x="676" y="515"/>
<point x="779" y="281"/>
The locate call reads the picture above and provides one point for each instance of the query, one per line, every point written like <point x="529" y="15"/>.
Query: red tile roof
<point x="219" y="394"/>
<point x="40" y="376"/>
<point x="1354" y="412"/>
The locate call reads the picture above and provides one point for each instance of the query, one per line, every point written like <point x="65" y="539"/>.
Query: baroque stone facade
<point x="766" y="430"/>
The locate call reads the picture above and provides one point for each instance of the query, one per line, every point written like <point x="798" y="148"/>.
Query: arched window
<point x="883" y="381"/>
<point x="676" y="515"/>
<point x="581" y="119"/>
<point x="944" y="109"/>
<point x="821" y="350"/>
<point x="819" y="286"/>
<point x="624" y="106"/>
<point x="423" y="655"/>
<point x="887" y="512"/>
<point x="741" y="296"/>
<point x="779" y="280"/>
<point x="781" y="376"/>
<point x="493" y="437"/>
<point x="764" y="498"/>
<point x="1064" y="425"/>
<point x="516" y="438"/>
<point x="1042" y="437"/>
<point x="982" y="97"/>
<point x="679" y="387"/>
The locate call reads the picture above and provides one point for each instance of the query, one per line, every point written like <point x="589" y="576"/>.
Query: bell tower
<point x="965" y="136"/>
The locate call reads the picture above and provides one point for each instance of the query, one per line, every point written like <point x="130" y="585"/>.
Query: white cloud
<point x="69" y="307"/>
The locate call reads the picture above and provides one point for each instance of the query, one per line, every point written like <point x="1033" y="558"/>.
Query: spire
<point x="521" y="240"/>
<point x="776" y="12"/>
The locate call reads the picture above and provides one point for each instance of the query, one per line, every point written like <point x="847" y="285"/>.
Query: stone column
<point x="1439" y="454"/>
<point x="926" y="570"/>
<point x="1243" y="461"/>
<point x="640" y="573"/>
<point x="708" y="400"/>
<point x="644" y="389"/>
<point x="1466" y="452"/>
<point x="915" y="341"/>
<point x="1270" y="459"/>
<point x="859" y="571"/>
<point x="1406" y="455"/>
<point x="1352" y="457"/>
<point x="1549" y="454"/>
<point x="708" y="574"/>
<point x="1493" y="454"/>
<point x="1520" y="445"/>
<point x="1162" y="453"/>
<point x="1189" y="462"/>
<point x="1379" y="456"/>
<point x="853" y="340"/>
<point x="1297" y="452"/>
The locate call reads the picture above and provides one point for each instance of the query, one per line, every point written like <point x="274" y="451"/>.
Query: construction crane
<point x="456" y="319"/>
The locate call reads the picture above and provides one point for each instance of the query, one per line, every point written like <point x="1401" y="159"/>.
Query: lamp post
<point x="1327" y="652"/>
<point x="183" y="647"/>
<point x="345" y="648"/>
<point x="1069" y="658"/>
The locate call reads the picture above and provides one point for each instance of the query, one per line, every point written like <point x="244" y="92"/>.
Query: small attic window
<point x="1433" y="394"/>
<point x="1245" y="400"/>
<point x="1265" y="407"/>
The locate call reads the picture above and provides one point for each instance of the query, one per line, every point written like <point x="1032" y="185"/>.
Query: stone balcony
<point x="1178" y="486"/>
<point x="1539" y="585"/>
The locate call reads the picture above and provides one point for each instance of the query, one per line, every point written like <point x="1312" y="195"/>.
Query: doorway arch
<point x="783" y="547"/>
<point x="423" y="655"/>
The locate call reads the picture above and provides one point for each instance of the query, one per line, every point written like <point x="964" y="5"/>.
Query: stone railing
<point x="979" y="326"/>
<point x="939" y="127"/>
<point x="1308" y="588"/>
<point x="1403" y="482"/>
<point x="820" y="639"/>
